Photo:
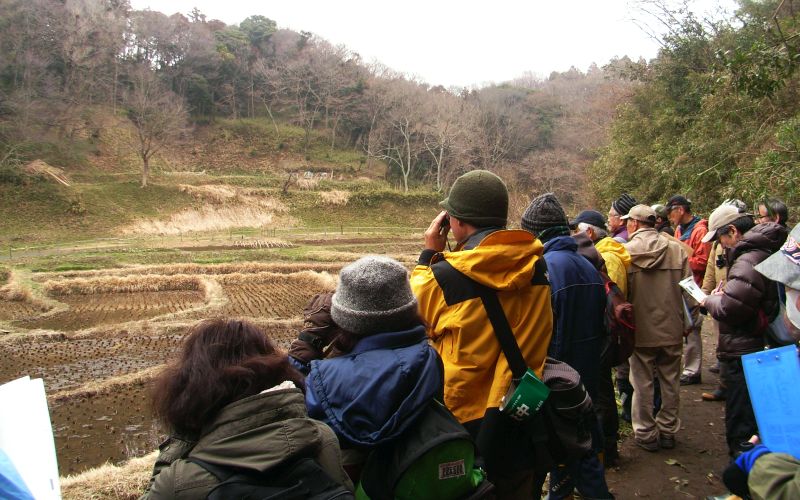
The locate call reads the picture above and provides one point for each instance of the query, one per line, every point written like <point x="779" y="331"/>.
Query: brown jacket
<point x="658" y="263"/>
<point x="746" y="292"/>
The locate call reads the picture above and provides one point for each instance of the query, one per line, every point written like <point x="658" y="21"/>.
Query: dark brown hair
<point x="222" y="361"/>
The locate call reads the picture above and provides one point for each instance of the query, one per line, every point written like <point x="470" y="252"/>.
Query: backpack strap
<point x="458" y="287"/>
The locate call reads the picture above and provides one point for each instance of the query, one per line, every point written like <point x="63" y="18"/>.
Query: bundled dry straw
<point x="119" y="284"/>
<point x="126" y="481"/>
<point x="306" y="279"/>
<point x="270" y="243"/>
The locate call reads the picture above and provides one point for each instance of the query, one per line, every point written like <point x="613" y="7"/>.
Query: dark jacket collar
<point x="563" y="243"/>
<point x="475" y="238"/>
<point x="390" y="340"/>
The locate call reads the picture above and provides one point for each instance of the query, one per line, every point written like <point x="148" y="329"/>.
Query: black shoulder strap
<point x="458" y="287"/>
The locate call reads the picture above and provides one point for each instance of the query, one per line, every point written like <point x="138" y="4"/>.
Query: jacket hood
<point x="260" y="432"/>
<point x="376" y="391"/>
<point x="768" y="237"/>
<point x="504" y="260"/>
<point x="647" y="249"/>
<point x="561" y="243"/>
<point x="611" y="246"/>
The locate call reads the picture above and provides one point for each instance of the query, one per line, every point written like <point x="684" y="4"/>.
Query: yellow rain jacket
<point x="617" y="259"/>
<point x="476" y="373"/>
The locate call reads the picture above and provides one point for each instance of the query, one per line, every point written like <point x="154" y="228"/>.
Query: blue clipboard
<point x="773" y="381"/>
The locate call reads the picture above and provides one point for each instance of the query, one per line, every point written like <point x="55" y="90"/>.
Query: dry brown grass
<point x="123" y="284"/>
<point x="204" y="269"/>
<point x="307" y="183"/>
<point x="334" y="197"/>
<point x="15" y="291"/>
<point x="210" y="218"/>
<point x="126" y="481"/>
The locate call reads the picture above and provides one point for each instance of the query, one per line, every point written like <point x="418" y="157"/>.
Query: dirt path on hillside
<point x="694" y="467"/>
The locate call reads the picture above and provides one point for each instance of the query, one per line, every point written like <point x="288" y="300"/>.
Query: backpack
<point x="433" y="459"/>
<point x="619" y="322"/>
<point x="568" y="417"/>
<point x="302" y="479"/>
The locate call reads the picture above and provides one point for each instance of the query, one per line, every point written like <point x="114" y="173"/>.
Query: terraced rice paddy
<point x="98" y="337"/>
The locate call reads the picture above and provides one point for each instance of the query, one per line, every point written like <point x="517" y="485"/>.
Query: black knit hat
<point x="544" y="212"/>
<point x="479" y="198"/>
<point x="624" y="204"/>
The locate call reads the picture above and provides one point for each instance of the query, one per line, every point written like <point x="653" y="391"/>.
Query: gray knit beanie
<point x="543" y="213"/>
<point x="374" y="296"/>
<point x="479" y="198"/>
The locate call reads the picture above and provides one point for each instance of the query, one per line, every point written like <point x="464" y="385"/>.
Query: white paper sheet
<point x="692" y="289"/>
<point x="26" y="436"/>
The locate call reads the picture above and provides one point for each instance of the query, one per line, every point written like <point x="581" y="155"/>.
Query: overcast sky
<point x="457" y="43"/>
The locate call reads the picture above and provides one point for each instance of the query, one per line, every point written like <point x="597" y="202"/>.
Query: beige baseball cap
<point x="720" y="217"/>
<point x="642" y="213"/>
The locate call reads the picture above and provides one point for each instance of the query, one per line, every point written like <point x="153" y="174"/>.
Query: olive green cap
<point x="479" y="198"/>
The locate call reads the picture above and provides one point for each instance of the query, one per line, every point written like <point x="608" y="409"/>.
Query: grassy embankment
<point x="245" y="157"/>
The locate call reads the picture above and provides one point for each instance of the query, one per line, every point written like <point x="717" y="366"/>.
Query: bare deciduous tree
<point x="156" y="112"/>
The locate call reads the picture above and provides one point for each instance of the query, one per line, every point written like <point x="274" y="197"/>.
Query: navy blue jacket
<point x="377" y="390"/>
<point x="579" y="302"/>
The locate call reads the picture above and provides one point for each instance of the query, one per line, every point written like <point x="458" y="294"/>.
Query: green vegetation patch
<point x="365" y="209"/>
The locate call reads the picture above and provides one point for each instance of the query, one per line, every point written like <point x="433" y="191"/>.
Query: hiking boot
<point x="717" y="395"/>
<point x="690" y="379"/>
<point x="651" y="445"/>
<point x="666" y="441"/>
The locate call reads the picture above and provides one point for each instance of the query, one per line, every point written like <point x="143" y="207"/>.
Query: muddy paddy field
<point x="97" y="337"/>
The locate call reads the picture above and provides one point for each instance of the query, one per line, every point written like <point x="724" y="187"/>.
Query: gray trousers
<point x="693" y="348"/>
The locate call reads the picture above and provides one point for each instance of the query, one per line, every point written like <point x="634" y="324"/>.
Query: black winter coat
<point x="746" y="292"/>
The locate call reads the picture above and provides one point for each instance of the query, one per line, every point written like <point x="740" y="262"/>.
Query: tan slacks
<point x="666" y="363"/>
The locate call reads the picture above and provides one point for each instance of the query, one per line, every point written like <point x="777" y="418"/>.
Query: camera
<point x="445" y="221"/>
<point x="721" y="262"/>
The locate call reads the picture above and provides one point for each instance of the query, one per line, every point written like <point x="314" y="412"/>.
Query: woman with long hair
<point x="233" y="400"/>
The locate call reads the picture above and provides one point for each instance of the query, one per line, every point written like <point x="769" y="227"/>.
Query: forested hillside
<point x="717" y="114"/>
<point x="67" y="67"/>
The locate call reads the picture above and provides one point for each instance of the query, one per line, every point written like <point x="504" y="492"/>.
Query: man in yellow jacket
<point x="477" y="375"/>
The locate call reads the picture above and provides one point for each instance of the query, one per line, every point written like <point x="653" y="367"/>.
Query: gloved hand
<point x="735" y="475"/>
<point x="318" y="331"/>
